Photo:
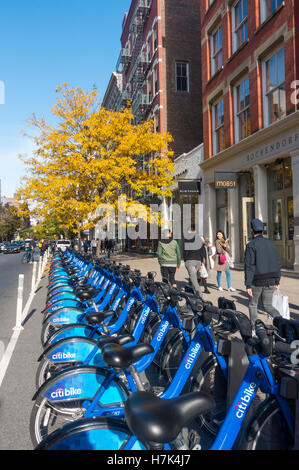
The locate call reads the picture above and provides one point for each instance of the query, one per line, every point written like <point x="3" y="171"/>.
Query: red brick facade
<point x="278" y="29"/>
<point x="168" y="32"/>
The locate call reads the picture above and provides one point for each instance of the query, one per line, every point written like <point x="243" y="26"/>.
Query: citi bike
<point x="157" y="423"/>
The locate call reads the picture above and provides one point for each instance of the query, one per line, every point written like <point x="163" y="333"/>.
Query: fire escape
<point x="135" y="62"/>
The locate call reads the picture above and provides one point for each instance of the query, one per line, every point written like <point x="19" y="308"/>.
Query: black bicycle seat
<point x="97" y="317"/>
<point x="119" y="339"/>
<point x="120" y="358"/>
<point x="158" y="420"/>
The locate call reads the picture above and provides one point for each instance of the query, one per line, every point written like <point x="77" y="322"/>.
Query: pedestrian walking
<point x="221" y="260"/>
<point x="86" y="245"/>
<point x="109" y="246"/>
<point x="169" y="257"/>
<point x="262" y="271"/>
<point x="203" y="274"/>
<point x="193" y="258"/>
<point x="93" y="245"/>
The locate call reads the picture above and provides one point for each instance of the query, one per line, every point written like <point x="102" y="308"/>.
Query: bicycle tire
<point x="91" y="434"/>
<point x="25" y="258"/>
<point x="172" y="354"/>
<point x="211" y="380"/>
<point x="267" y="429"/>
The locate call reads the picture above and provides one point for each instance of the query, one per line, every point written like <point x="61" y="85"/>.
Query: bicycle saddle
<point x="119" y="358"/>
<point x="97" y="317"/>
<point x="121" y="339"/>
<point x="158" y="420"/>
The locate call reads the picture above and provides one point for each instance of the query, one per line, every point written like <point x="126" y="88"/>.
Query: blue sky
<point x="44" y="43"/>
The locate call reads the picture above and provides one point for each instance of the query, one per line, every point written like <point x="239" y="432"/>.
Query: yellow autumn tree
<point x="90" y="157"/>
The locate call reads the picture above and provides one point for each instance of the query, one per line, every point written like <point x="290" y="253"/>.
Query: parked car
<point x="2" y="247"/>
<point x="12" y="248"/>
<point x="62" y="244"/>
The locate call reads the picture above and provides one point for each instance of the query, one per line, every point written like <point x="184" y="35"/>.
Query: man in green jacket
<point x="169" y="257"/>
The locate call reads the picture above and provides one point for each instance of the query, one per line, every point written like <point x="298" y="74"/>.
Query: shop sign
<point x="225" y="180"/>
<point x="189" y="187"/>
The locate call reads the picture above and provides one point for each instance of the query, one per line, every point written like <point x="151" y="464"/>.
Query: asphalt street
<point x="18" y="385"/>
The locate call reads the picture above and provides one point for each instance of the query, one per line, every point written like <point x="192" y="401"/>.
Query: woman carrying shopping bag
<point x="221" y="262"/>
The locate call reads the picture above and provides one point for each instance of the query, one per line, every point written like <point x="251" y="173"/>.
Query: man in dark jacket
<point x="262" y="271"/>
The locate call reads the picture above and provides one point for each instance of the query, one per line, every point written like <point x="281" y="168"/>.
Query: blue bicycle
<point x="152" y="422"/>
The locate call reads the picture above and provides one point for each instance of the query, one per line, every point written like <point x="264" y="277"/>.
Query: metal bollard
<point x="33" y="278"/>
<point x="18" y="325"/>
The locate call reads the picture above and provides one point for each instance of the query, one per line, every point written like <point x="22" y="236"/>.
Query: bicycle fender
<point x="83" y="382"/>
<point x="52" y="349"/>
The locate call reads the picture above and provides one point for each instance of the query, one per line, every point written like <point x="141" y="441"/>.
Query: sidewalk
<point x="288" y="286"/>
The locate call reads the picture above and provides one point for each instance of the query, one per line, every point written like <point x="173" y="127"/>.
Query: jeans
<point x="192" y="267"/>
<point x="267" y="297"/>
<point x="168" y="273"/>
<point x="228" y="278"/>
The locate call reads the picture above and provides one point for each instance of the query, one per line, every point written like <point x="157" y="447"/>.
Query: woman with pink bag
<point x="221" y="263"/>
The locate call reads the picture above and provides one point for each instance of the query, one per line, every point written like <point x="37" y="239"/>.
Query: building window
<point x="242" y="110"/>
<point x="182" y="76"/>
<point x="216" y="51"/>
<point x="218" y="126"/>
<point x="239" y="24"/>
<point x="275" y="88"/>
<point x="156" y="88"/>
<point x="155" y="38"/>
<point x="268" y="7"/>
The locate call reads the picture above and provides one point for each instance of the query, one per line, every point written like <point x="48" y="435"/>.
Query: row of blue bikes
<point x="130" y="363"/>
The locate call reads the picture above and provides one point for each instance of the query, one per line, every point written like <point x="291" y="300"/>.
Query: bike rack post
<point x="18" y="325"/>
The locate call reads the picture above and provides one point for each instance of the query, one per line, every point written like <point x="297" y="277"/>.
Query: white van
<point x="62" y="244"/>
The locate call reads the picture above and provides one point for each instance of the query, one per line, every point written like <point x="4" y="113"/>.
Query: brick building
<point x="250" y="63"/>
<point x="161" y="67"/>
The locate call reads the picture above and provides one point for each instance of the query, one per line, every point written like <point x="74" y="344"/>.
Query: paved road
<point x="18" y="385"/>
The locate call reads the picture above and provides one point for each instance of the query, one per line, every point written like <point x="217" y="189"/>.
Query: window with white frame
<point x="274" y="87"/>
<point x="218" y="126"/>
<point x="239" y="24"/>
<point x="242" y="110"/>
<point x="182" y="76"/>
<point x="216" y="50"/>
<point x="268" y="7"/>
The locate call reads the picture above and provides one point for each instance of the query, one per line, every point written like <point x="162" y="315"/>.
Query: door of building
<point x="282" y="225"/>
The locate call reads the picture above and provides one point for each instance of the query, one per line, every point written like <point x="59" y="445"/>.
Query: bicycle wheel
<point x="148" y="334"/>
<point x="48" y="369"/>
<point x="268" y="429"/>
<point x="48" y="415"/>
<point x="172" y="354"/>
<point x="211" y="380"/>
<point x="91" y="434"/>
<point x="25" y="258"/>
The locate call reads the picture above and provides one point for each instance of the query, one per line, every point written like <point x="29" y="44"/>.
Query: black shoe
<point x="206" y="291"/>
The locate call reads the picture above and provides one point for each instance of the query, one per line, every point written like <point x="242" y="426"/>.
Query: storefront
<point x="266" y="169"/>
<point x="187" y="192"/>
